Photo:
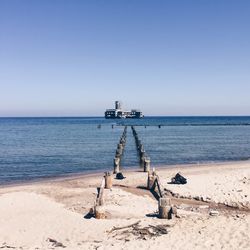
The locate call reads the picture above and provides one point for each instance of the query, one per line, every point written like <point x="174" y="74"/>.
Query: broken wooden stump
<point x="99" y="212"/>
<point x="108" y="180"/>
<point x="165" y="209"/>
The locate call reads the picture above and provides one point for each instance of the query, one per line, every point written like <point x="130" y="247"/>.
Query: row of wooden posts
<point x="106" y="183"/>
<point x="166" y="210"/>
<point x="119" y="151"/>
<point x="144" y="159"/>
<point x="153" y="183"/>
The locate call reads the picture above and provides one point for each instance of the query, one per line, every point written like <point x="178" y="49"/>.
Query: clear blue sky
<point x="165" y="57"/>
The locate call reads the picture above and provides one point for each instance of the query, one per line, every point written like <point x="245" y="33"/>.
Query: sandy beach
<point x="54" y="214"/>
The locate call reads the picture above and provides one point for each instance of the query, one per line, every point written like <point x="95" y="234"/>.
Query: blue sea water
<point x="34" y="148"/>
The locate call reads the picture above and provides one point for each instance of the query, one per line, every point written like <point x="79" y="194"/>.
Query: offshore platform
<point x="119" y="113"/>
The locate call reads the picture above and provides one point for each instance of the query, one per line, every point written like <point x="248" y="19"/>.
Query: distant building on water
<point x="119" y="113"/>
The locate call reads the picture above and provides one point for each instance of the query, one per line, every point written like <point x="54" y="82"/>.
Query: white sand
<point x="31" y="214"/>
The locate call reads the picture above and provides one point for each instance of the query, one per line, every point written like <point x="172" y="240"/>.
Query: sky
<point x="75" y="58"/>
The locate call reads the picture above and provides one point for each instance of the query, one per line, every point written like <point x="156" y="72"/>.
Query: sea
<point x="38" y="148"/>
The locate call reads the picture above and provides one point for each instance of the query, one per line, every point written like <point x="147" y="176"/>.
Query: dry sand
<point x="52" y="214"/>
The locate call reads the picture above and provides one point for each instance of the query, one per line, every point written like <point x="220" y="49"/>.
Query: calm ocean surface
<point x="34" y="148"/>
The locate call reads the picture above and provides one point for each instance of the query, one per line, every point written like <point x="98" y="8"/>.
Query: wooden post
<point x="99" y="198"/>
<point x="116" y="165"/>
<point x="108" y="180"/>
<point x="141" y="148"/>
<point x="157" y="181"/>
<point x="165" y="210"/>
<point x="122" y="141"/>
<point x="99" y="212"/>
<point x="142" y="160"/>
<point x="119" y="151"/>
<point x="151" y="181"/>
<point x="147" y="164"/>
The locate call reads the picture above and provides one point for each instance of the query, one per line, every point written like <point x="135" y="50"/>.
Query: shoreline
<point x="97" y="173"/>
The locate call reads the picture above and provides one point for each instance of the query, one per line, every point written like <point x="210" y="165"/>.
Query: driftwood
<point x="134" y="230"/>
<point x="55" y="243"/>
<point x="5" y="246"/>
<point x="119" y="228"/>
<point x="161" y="228"/>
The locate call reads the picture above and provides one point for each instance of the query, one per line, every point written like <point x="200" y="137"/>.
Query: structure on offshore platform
<point x="119" y="113"/>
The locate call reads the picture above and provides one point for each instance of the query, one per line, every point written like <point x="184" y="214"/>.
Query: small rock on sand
<point x="214" y="213"/>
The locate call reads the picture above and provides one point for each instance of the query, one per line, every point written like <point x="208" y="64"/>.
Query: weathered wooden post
<point x="99" y="212"/>
<point x="151" y="181"/>
<point x="99" y="198"/>
<point x="147" y="164"/>
<point x="165" y="210"/>
<point x="108" y="180"/>
<point x="119" y="151"/>
<point x="142" y="158"/>
<point x="142" y="162"/>
<point x="116" y="165"/>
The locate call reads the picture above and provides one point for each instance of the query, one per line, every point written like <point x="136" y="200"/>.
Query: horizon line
<point x="96" y="116"/>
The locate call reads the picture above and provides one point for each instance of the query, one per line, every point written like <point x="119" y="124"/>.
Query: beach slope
<point x="54" y="214"/>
